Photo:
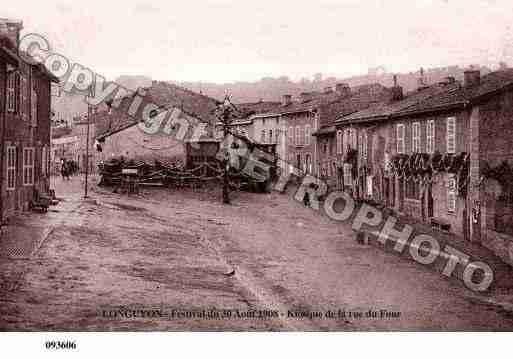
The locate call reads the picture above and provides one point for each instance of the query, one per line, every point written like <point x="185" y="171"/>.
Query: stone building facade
<point x="25" y="130"/>
<point x="456" y="140"/>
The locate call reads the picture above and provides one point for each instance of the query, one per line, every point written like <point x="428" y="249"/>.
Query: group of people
<point x="68" y="168"/>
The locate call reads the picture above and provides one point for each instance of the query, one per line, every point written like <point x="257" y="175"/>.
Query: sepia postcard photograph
<point x="254" y="167"/>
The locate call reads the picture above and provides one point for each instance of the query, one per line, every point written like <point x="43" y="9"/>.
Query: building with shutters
<point x="293" y="123"/>
<point x="443" y="155"/>
<point x="25" y="122"/>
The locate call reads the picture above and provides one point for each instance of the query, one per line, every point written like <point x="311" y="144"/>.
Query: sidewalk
<point x="26" y="231"/>
<point x="502" y="283"/>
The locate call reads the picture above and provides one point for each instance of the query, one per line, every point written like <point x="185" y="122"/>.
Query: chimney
<point x="343" y="89"/>
<point x="11" y="29"/>
<point x="328" y="90"/>
<point x="422" y="80"/>
<point x="471" y="78"/>
<point x="397" y="91"/>
<point x="286" y="100"/>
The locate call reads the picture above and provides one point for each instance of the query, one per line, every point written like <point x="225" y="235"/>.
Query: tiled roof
<point x="459" y="95"/>
<point x="162" y="94"/>
<point x="250" y="108"/>
<point x="436" y="97"/>
<point x="192" y="103"/>
<point x="316" y="100"/>
<point x="385" y="109"/>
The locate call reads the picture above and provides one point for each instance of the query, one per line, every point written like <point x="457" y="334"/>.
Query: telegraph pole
<point x="89" y="115"/>
<point x="87" y="150"/>
<point x="225" y="115"/>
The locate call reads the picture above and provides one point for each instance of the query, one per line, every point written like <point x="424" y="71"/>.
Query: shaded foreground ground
<point x="168" y="251"/>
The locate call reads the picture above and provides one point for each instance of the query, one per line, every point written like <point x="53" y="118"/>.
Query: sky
<point x="235" y="40"/>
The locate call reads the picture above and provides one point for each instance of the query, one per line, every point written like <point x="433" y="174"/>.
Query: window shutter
<point x="364" y="145"/>
<point x="400" y="138"/>
<point x="451" y="135"/>
<point x="430" y="136"/>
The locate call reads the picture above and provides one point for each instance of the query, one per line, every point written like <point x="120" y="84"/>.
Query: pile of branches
<point x="421" y="167"/>
<point x="159" y="171"/>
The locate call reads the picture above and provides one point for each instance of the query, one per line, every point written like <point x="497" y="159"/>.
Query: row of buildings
<point x="69" y="141"/>
<point x="440" y="153"/>
<point x="25" y="114"/>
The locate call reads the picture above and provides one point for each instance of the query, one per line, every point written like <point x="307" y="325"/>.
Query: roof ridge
<point x="167" y="83"/>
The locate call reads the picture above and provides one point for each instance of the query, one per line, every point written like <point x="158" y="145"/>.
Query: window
<point x="302" y="135"/>
<point x="33" y="112"/>
<point x="271" y="139"/>
<point x="44" y="161"/>
<point x="308" y="163"/>
<point x="307" y="134"/>
<point x="451" y="135"/>
<point x="262" y="138"/>
<point x="339" y="142"/>
<point x="430" y="136"/>
<point x="354" y="140"/>
<point x="11" y="167"/>
<point x="325" y="147"/>
<point x="11" y="84"/>
<point x="348" y="179"/>
<point x="415" y="137"/>
<point x="28" y="166"/>
<point x="400" y="138"/>
<point x="346" y="140"/>
<point x="23" y="97"/>
<point x="451" y="194"/>
<point x="412" y="189"/>
<point x="291" y="134"/>
<point x="364" y="145"/>
<point x="298" y="136"/>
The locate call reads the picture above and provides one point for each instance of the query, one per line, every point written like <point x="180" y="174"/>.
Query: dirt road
<point x="182" y="261"/>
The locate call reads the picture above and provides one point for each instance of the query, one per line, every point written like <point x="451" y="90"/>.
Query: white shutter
<point x="451" y="135"/>
<point x="11" y="167"/>
<point x="364" y="145"/>
<point x="430" y="136"/>
<point x="415" y="137"/>
<point x="400" y="138"/>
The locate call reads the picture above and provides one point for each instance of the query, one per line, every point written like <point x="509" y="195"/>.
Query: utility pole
<point x="89" y="115"/>
<point x="87" y="150"/>
<point x="224" y="114"/>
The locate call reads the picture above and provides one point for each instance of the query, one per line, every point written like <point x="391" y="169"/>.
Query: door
<point x="430" y="201"/>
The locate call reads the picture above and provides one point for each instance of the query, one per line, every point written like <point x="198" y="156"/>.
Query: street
<point x="177" y="252"/>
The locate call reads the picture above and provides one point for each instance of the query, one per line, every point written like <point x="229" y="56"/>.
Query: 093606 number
<point x="57" y="344"/>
